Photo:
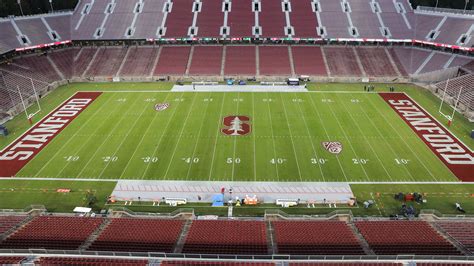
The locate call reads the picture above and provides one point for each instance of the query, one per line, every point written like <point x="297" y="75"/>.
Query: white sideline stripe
<point x="254" y="141"/>
<point x="169" y="91"/>
<point x="350" y="182"/>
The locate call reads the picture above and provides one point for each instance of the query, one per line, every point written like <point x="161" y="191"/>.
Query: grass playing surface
<point x="121" y="136"/>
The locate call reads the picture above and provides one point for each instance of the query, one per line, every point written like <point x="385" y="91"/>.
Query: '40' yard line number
<point x="277" y="161"/>
<point x="190" y="159"/>
<point x="360" y="161"/>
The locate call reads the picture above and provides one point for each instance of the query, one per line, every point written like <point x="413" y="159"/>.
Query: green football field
<point x="122" y="136"/>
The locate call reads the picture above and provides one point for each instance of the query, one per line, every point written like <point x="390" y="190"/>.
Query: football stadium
<point x="237" y="132"/>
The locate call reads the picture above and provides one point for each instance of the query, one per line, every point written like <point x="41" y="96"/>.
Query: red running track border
<point x="14" y="157"/>
<point x="454" y="154"/>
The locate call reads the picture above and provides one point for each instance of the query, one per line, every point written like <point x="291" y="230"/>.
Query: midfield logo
<point x="236" y="125"/>
<point x="333" y="147"/>
<point x="161" y="106"/>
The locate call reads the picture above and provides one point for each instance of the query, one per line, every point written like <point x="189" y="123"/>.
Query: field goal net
<point x="445" y="107"/>
<point x="22" y="94"/>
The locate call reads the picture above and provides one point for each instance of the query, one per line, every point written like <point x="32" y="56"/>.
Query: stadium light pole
<point x="465" y="6"/>
<point x="51" y="5"/>
<point x="21" y="9"/>
<point x="436" y="3"/>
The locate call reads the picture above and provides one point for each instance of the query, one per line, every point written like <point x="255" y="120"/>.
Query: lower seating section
<point x="397" y="62"/>
<point x="8" y="222"/>
<point x="342" y="61"/>
<point x="404" y="237"/>
<point x="89" y="261"/>
<point x="53" y="232"/>
<point x="82" y="59"/>
<point x="240" y="60"/>
<point x="10" y="260"/>
<point x="107" y="62"/>
<point x="207" y="60"/>
<point x="463" y="232"/>
<point x="315" y="238"/>
<point x="145" y="235"/>
<point x="411" y="58"/>
<point x="139" y="61"/>
<point x="308" y="60"/>
<point x="223" y="263"/>
<point x="33" y="66"/>
<point x="274" y="60"/>
<point x="375" y="62"/>
<point x="226" y="237"/>
<point x="173" y="60"/>
<point x="63" y="61"/>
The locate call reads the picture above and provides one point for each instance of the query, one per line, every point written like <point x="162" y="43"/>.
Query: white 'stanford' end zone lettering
<point x="458" y="158"/>
<point x="15" y="156"/>
<point x="447" y="147"/>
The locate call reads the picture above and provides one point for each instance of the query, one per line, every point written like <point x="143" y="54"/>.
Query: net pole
<point x="444" y="94"/>
<point x="23" y="103"/>
<point x="36" y="94"/>
<point x="456" y="103"/>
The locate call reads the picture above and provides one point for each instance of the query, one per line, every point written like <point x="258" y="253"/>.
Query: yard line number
<point x="318" y="160"/>
<point x="278" y="161"/>
<point x="150" y="159"/>
<point x="108" y="159"/>
<point x="359" y="161"/>
<point x="190" y="159"/>
<point x="401" y="161"/>
<point x="71" y="158"/>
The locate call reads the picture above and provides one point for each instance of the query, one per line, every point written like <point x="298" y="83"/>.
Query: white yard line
<point x="291" y="137"/>
<point x="217" y="136"/>
<point x="273" y="135"/>
<point x="381" y="135"/>
<point x="124" y="138"/>
<point x="370" y="145"/>
<point x="179" y="138"/>
<point x="312" y="143"/>
<point x="348" y="140"/>
<point x="409" y="147"/>
<point x="235" y="139"/>
<point x="70" y="139"/>
<point x="254" y="139"/>
<point x="198" y="135"/>
<point x="104" y="141"/>
<point x="327" y="135"/>
<point x="350" y="183"/>
<point x="141" y="141"/>
<point x="161" y="137"/>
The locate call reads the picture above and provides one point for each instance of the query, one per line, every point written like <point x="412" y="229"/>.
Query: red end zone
<point x="22" y="150"/>
<point x="454" y="154"/>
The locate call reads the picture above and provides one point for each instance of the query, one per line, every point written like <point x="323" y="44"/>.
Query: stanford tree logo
<point x="333" y="147"/>
<point x="236" y="125"/>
